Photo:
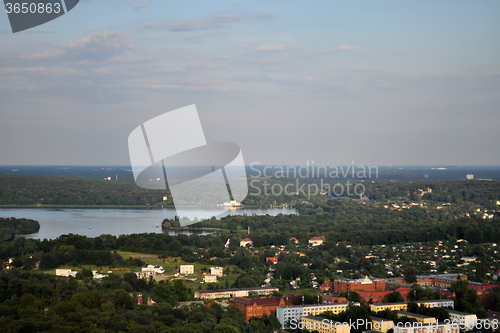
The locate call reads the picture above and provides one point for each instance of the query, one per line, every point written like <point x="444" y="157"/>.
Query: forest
<point x="25" y="190"/>
<point x="11" y="227"/>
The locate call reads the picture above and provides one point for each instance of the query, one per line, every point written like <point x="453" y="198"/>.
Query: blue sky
<point x="374" y="82"/>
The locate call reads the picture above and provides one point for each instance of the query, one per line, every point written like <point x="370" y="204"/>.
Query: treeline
<point x="31" y="302"/>
<point x="48" y="190"/>
<point x="12" y="227"/>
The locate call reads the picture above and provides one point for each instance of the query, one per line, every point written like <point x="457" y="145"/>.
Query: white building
<point x="97" y="275"/>
<point x="426" y="328"/>
<point x="317" y="241"/>
<point x="438" y="303"/>
<point x="155" y="268"/>
<point x="210" y="278"/>
<point x="245" y="242"/>
<point x="217" y="271"/>
<point x="65" y="272"/>
<point x="145" y="274"/>
<point x="234" y="292"/>
<point x="463" y="319"/>
<point x="186" y="269"/>
<point x="287" y="313"/>
<point x="469" y="176"/>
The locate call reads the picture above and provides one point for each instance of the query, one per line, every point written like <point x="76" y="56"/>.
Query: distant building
<point x="257" y="307"/>
<point x="65" y="272"/>
<point x="317" y="241"/>
<point x="468" y="319"/>
<point x="323" y="325"/>
<point x="232" y="203"/>
<point x="210" y="278"/>
<point x="427" y="328"/>
<point x="381" y="324"/>
<point x="155" y="268"/>
<point x="274" y="260"/>
<point x="245" y="242"/>
<point x="469" y="176"/>
<point x="294" y="240"/>
<point x="186" y="269"/>
<point x="418" y="317"/>
<point x="217" y="271"/>
<point x="145" y="274"/>
<point x="366" y="284"/>
<point x="286" y="314"/>
<point x="327" y="286"/>
<point x="234" y="292"/>
<point x="403" y="306"/>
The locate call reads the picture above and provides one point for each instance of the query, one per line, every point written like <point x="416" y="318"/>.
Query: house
<point x="210" y="278"/>
<point x="157" y="269"/>
<point x="326" y="286"/>
<point x="274" y="260"/>
<point x="327" y="299"/>
<point x="496" y="276"/>
<point x="217" y="271"/>
<point x="317" y="241"/>
<point x="145" y="274"/>
<point x="65" y="272"/>
<point x="186" y="269"/>
<point x="245" y="242"/>
<point x="294" y="240"/>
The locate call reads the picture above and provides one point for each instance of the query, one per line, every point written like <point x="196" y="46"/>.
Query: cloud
<point x="195" y="38"/>
<point x="141" y="5"/>
<point x="268" y="47"/>
<point x="205" y="23"/>
<point x="346" y="48"/>
<point x="274" y="47"/>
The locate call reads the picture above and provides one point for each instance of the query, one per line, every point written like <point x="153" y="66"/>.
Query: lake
<point x="92" y="222"/>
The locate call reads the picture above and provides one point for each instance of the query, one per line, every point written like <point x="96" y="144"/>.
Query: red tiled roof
<point x="317" y="238"/>
<point x="246" y="240"/>
<point x="259" y="301"/>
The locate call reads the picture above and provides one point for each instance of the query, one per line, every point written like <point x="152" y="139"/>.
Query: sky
<point x="290" y="82"/>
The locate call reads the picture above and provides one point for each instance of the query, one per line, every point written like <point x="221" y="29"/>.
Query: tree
<point x="410" y="275"/>
<point x="493" y="299"/>
<point x="393" y="297"/>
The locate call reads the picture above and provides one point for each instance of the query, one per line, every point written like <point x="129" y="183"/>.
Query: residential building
<point x="381" y="324"/>
<point x="389" y="306"/>
<point x="145" y="274"/>
<point x="65" y="272"/>
<point x="426" y="328"/>
<point x="234" y="292"/>
<point x="418" y="317"/>
<point x="438" y="303"/>
<point x="245" y="242"/>
<point x="317" y="241"/>
<point x="217" y="271"/>
<point x="157" y="269"/>
<point x="274" y="260"/>
<point x="287" y="313"/>
<point x="186" y="269"/>
<point x="323" y="325"/>
<point x="468" y="319"/>
<point x="327" y="299"/>
<point x="326" y="286"/>
<point x="210" y="278"/>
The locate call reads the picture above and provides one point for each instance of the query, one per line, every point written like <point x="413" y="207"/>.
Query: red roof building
<point x="257" y="307"/>
<point x="327" y="299"/>
<point x="274" y="260"/>
<point x="326" y="286"/>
